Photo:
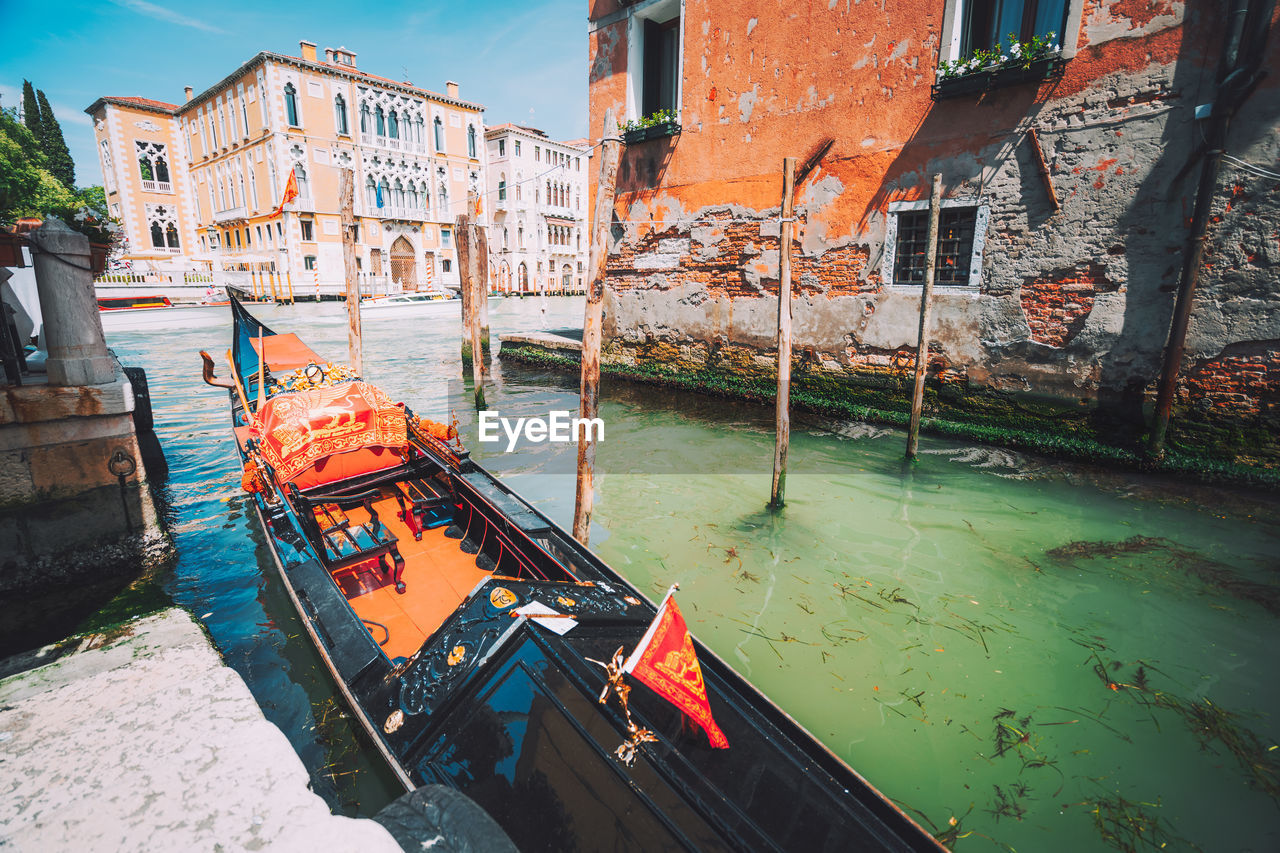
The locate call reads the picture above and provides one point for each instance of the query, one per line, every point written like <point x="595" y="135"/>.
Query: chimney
<point x="328" y="55"/>
<point x="187" y="90"/>
<point x="307" y="50"/>
<point x="451" y="88"/>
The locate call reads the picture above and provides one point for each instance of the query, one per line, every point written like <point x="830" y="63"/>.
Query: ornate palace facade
<point x="196" y="184"/>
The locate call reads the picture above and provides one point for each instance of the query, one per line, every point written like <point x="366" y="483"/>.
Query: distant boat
<point x="420" y="302"/>
<point x="153" y="311"/>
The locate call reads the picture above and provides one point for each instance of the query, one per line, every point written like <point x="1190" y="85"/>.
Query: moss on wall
<point x="1240" y="453"/>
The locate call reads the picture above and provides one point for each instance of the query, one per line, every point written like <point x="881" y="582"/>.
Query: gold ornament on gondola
<point x="456" y="656"/>
<point x="614" y="683"/>
<point x="394" y="721"/>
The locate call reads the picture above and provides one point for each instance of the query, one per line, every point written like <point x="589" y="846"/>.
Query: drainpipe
<point x="1236" y="75"/>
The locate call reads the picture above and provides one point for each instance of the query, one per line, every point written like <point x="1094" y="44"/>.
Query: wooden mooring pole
<point x="782" y="438"/>
<point x="592" y="320"/>
<point x="468" y="305"/>
<point x="469" y="250"/>
<point x="482" y="278"/>
<point x="926" y="298"/>
<point x="346" y="200"/>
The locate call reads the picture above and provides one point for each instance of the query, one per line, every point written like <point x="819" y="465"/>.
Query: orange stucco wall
<point x="697" y="262"/>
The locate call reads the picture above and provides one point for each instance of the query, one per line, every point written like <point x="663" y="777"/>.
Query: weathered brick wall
<point x="1245" y="380"/>
<point x="1073" y="300"/>
<point x="1057" y="305"/>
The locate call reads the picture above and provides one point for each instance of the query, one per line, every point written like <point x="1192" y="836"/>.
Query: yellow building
<point x="196" y="184"/>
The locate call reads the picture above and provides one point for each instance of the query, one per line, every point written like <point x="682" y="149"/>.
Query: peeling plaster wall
<point x="1074" y="303"/>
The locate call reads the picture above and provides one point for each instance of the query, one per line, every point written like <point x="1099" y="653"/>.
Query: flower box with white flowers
<point x="1019" y="62"/>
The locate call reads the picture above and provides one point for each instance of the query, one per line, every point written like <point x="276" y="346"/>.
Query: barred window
<point x="955" y="246"/>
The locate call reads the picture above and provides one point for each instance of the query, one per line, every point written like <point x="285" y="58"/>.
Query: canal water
<point x="1023" y="654"/>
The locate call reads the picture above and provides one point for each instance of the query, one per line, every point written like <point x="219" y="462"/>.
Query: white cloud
<point x="160" y="13"/>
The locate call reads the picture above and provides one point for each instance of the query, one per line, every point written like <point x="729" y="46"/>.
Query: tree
<point x="54" y="146"/>
<point x="30" y="110"/>
<point x="27" y="188"/>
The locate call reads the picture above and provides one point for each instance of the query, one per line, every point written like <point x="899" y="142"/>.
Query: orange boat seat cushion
<point x="344" y="466"/>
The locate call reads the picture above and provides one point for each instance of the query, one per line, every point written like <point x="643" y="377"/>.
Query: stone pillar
<point x="72" y="332"/>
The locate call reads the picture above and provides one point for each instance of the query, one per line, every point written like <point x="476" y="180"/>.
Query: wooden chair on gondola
<point x="343" y="542"/>
<point x="421" y="508"/>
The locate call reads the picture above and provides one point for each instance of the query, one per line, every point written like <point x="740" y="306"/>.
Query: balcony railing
<point x="156" y="186"/>
<point x="393" y="144"/>
<point x="231" y="214"/>
<point x="397" y="211"/>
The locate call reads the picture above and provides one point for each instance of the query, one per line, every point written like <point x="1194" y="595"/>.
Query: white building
<point x="537" y="199"/>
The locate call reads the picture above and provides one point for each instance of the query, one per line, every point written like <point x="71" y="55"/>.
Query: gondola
<point x="481" y="647"/>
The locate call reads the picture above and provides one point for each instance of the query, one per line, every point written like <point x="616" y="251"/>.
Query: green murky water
<point x="1052" y="657"/>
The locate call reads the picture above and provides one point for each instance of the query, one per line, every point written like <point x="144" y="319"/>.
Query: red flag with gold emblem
<point x="290" y="193"/>
<point x="665" y="661"/>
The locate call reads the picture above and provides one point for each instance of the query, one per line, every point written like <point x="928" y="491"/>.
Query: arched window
<point x="157" y="235"/>
<point x="504" y="239"/>
<point x="502" y="188"/>
<point x="419" y="137"/>
<point x="444" y="199"/>
<point x="381" y="122"/>
<point x="162" y="170"/>
<point x="520" y="238"/>
<point x="364" y="118"/>
<point x="340" y="114"/>
<point x="549" y="201"/>
<point x="399" y="191"/>
<point x="304" y="186"/>
<point x="471" y="140"/>
<point x="439" y="125"/>
<point x="385" y="189"/>
<point x="412" y="196"/>
<point x="171" y="235"/>
<point x="393" y="125"/>
<point x="426" y="196"/>
<point x="291" y="104"/>
<point x="370" y="193"/>
<point x="144" y="166"/>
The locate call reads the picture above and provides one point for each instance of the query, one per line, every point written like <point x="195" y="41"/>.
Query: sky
<point x="526" y="62"/>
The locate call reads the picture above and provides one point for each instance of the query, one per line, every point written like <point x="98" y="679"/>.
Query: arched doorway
<point x="566" y="278"/>
<point x="504" y="277"/>
<point x="404" y="270"/>
<point x="524" y="277"/>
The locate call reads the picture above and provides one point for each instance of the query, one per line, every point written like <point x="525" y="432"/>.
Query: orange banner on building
<point x="665" y="661"/>
<point x="297" y="430"/>
<point x="290" y="193"/>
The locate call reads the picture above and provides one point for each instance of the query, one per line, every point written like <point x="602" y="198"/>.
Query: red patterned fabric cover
<point x="302" y="431"/>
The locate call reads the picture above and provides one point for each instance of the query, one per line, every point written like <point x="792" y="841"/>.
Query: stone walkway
<point x="150" y="742"/>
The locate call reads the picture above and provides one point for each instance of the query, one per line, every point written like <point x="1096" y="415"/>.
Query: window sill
<point x="938" y="289"/>
<point x="1048" y="68"/>
<point x="644" y="134"/>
